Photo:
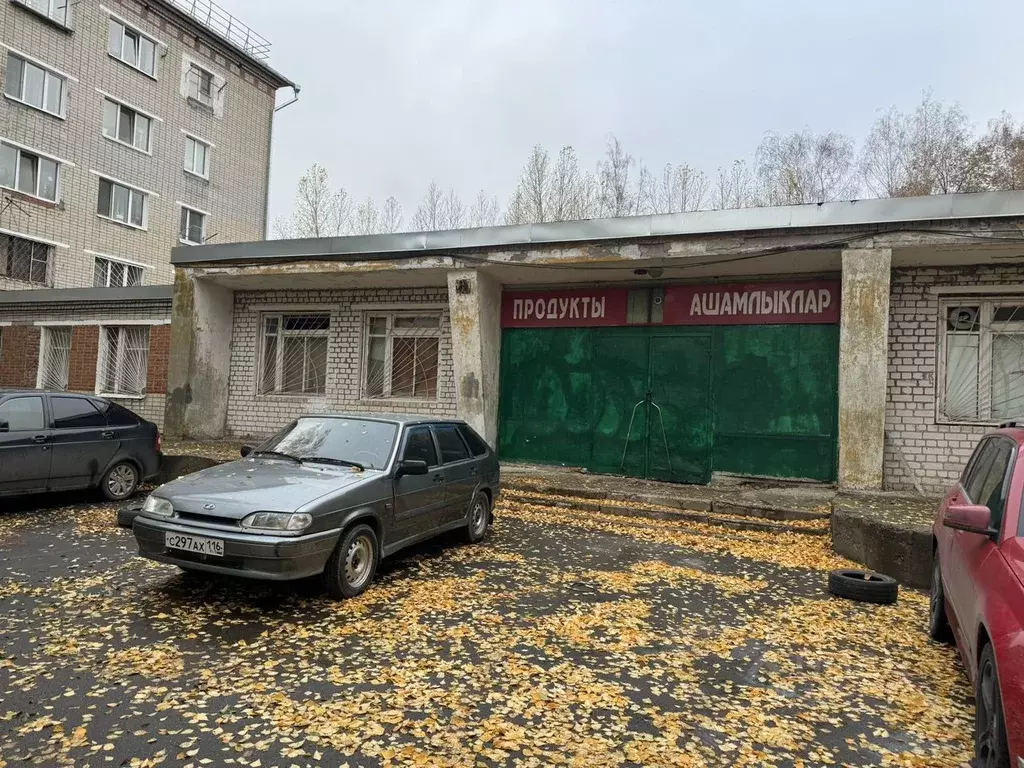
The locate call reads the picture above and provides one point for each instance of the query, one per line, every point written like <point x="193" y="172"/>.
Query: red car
<point x="978" y="590"/>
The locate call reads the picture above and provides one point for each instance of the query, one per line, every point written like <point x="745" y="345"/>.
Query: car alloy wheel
<point x="358" y="561"/>
<point x="991" y="748"/>
<point x="121" y="481"/>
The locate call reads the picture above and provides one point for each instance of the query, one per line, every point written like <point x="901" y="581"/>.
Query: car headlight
<point x="287" y="522"/>
<point x="157" y="506"/>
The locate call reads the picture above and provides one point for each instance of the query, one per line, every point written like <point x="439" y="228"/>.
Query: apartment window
<point x="983" y="360"/>
<point x="401" y="355"/>
<point x="52" y="9"/>
<point x="121" y="203"/>
<point x="31" y="84"/>
<point x="28" y="172"/>
<point x="124" y="354"/>
<point x="26" y="260"/>
<point x="200" y="85"/>
<point x="127" y="126"/>
<point x="197" y="157"/>
<point x="54" y="358"/>
<point x="293" y="354"/>
<point x="132" y="47"/>
<point x="193" y="226"/>
<point x="110" y="273"/>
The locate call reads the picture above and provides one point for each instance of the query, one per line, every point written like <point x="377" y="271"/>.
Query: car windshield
<point x="359" y="441"/>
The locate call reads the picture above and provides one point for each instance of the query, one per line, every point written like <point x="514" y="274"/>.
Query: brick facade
<point x="250" y="414"/>
<point x="85" y="348"/>
<point x="920" y="452"/>
<point x="19" y="355"/>
<point x="159" y="354"/>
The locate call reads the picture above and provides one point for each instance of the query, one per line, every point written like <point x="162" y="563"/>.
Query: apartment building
<point x="127" y="127"/>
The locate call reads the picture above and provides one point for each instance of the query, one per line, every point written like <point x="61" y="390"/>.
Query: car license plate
<point x="199" y="545"/>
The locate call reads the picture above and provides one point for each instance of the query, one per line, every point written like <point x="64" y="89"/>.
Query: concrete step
<point x="651" y="511"/>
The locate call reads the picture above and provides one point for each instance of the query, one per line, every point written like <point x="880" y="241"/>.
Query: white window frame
<point x="45" y="342"/>
<point x="133" y="114"/>
<point x="276" y="390"/>
<point x="49" y="73"/>
<point x="986" y="303"/>
<point x="20" y="150"/>
<point x="190" y="211"/>
<point x="50" y="253"/>
<point x="190" y="160"/>
<point x="390" y="334"/>
<point x="111" y="260"/>
<point x="119" y="364"/>
<point x="131" y="192"/>
<point x="50" y="12"/>
<point x="194" y="79"/>
<point x="127" y="29"/>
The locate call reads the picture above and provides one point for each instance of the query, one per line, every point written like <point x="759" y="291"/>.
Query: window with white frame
<point x="31" y="84"/>
<point x="111" y="273"/>
<point x="132" y="47"/>
<point x="54" y="357"/>
<point x="28" y="172"/>
<point x="121" y="203"/>
<point x="401" y="355"/>
<point x="124" y="356"/>
<point x="982" y="360"/>
<point x="293" y="353"/>
<point x="201" y="85"/>
<point x="197" y="157"/>
<point x="58" y="10"/>
<point x="193" y="226"/>
<point x="126" y="126"/>
<point x="27" y="260"/>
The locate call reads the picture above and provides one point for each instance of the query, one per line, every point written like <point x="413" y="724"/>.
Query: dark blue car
<point x="61" y="441"/>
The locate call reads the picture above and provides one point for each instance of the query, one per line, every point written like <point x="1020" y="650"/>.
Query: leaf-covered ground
<point x="562" y="639"/>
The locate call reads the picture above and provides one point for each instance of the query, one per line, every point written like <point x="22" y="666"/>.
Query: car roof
<point x="388" y="418"/>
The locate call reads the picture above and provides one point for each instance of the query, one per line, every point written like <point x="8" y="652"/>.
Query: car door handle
<point x="438" y="478"/>
<point x="107" y="435"/>
<point x="39" y="439"/>
<point x="474" y="470"/>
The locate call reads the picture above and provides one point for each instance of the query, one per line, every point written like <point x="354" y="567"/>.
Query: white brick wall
<point x="235" y="193"/>
<point x="250" y="414"/>
<point x="919" y="452"/>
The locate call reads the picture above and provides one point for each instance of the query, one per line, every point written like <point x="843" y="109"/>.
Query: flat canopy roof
<point x="852" y="213"/>
<point x="62" y="295"/>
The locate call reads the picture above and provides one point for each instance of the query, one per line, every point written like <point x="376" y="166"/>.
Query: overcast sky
<point x="398" y="92"/>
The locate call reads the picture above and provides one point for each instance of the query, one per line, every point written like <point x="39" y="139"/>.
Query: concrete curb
<point x="901" y="551"/>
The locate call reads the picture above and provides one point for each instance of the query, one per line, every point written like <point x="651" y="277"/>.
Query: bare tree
<point x="429" y="213"/>
<point x="616" y="194"/>
<point x="567" y="189"/>
<point x="885" y="157"/>
<point x="318" y="211"/>
<point x="391" y="216"/>
<point x="805" y="167"/>
<point x="484" y="212"/>
<point x="1004" y="148"/>
<point x="453" y="212"/>
<point x="944" y="157"/>
<point x="529" y="202"/>
<point x="734" y="187"/>
<point x="367" y="218"/>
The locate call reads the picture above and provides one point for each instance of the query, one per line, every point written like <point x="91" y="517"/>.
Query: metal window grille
<point x="293" y="356"/>
<point x="983" y="376"/>
<point x="26" y="260"/>
<point x="401" y="355"/>
<point x="108" y="273"/>
<point x="54" y="358"/>
<point x="28" y="173"/>
<point x="124" y="355"/>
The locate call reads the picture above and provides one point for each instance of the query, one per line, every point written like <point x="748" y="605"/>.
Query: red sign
<point x="564" y="309"/>
<point x="806" y="301"/>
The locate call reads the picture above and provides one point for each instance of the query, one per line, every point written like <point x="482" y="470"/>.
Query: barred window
<point x="126" y="126"/>
<point x="26" y="260"/>
<point x="33" y="85"/>
<point x="132" y="47"/>
<point x="124" y="355"/>
<point x="110" y="273"/>
<point x="121" y="203"/>
<point x="401" y="355"/>
<point x="55" y="354"/>
<point x="293" y="354"/>
<point x="28" y="172"/>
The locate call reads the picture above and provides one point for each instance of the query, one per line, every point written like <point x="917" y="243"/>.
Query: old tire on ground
<point x="938" y="622"/>
<point x="991" y="745"/>
<point x="863" y="586"/>
<point x="120" y="481"/>
<point x="353" y="563"/>
<point x="479" y="518"/>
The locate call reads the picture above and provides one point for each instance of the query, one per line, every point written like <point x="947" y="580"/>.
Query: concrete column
<point x="863" y="366"/>
<point x="474" y="300"/>
<point x="197" y="376"/>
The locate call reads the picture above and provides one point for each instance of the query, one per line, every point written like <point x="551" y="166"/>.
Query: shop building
<point x="867" y="343"/>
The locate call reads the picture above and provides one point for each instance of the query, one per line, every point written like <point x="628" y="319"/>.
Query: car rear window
<point x="116" y="415"/>
<point x="75" y="413"/>
<point x="452" y="446"/>
<point x="476" y="444"/>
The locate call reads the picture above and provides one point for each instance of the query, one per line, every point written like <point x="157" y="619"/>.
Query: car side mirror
<point x="973" y="518"/>
<point x="5" y="426"/>
<point x="411" y="467"/>
<point x="246" y="450"/>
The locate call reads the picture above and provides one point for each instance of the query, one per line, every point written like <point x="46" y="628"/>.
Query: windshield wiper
<point x="278" y="454"/>
<point x="331" y="460"/>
